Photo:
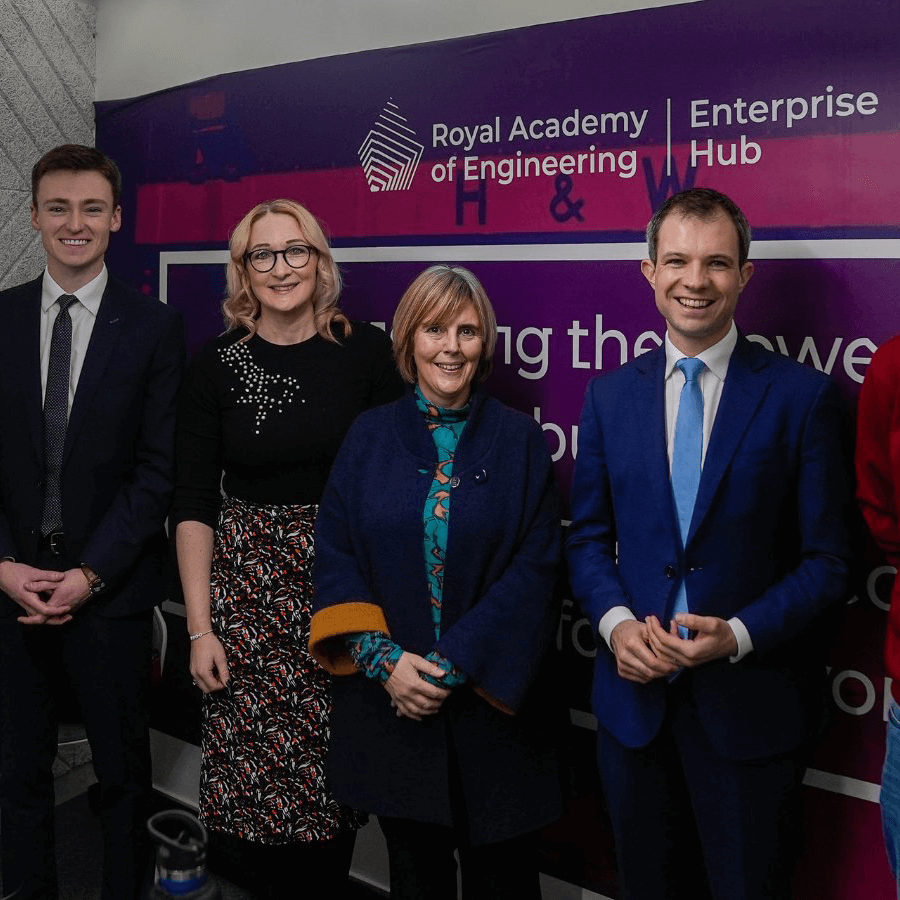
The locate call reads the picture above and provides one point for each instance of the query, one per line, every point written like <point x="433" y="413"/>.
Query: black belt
<point x="54" y="543"/>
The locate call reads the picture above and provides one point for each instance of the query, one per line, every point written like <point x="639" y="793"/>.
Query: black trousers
<point x="107" y="663"/>
<point x="423" y="865"/>
<point x="277" y="871"/>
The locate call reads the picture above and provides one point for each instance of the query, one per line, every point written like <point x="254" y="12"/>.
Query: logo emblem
<point x="390" y="153"/>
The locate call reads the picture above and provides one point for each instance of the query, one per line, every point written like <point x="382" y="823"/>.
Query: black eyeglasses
<point x="296" y="256"/>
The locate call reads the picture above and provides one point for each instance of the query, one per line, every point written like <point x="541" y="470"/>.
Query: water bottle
<point x="180" y="858"/>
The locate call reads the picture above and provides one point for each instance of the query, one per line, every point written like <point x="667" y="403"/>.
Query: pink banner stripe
<point x="819" y="181"/>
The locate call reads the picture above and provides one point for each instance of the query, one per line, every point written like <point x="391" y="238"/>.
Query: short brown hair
<point x="434" y="298"/>
<point x="241" y="308"/>
<point x="77" y="158"/>
<point x="703" y="204"/>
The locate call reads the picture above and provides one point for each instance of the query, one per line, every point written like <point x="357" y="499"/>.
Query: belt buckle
<point x="54" y="542"/>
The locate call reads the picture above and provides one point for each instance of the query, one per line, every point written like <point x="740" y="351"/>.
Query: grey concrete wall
<point x="47" y="67"/>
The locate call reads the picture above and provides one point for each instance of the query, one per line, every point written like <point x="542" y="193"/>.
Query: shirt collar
<point x="88" y="296"/>
<point x="716" y="357"/>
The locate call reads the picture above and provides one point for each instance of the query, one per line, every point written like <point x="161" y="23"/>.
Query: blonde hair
<point x="241" y="308"/>
<point x="436" y="297"/>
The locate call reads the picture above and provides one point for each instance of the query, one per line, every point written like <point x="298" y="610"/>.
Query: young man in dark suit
<point x="88" y="382"/>
<point x="707" y="539"/>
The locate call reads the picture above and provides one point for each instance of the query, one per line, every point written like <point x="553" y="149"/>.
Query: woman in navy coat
<point x="437" y="545"/>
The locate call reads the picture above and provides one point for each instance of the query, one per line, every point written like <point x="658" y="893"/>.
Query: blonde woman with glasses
<point x="264" y="412"/>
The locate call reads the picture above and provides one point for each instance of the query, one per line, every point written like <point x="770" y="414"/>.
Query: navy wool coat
<point x="497" y="619"/>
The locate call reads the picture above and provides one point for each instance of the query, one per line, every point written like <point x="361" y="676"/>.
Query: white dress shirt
<point x="712" y="381"/>
<point x="83" y="315"/>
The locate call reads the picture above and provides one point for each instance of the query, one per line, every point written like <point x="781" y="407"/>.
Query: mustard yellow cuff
<point x="331" y="625"/>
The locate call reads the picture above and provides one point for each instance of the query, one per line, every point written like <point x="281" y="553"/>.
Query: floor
<point x="78" y="840"/>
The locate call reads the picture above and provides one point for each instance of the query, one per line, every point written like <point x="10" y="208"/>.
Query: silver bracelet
<point x="199" y="634"/>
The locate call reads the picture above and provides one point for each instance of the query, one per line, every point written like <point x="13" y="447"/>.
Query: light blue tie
<point x="686" y="455"/>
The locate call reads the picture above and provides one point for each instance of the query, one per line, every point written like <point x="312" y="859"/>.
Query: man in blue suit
<point x="707" y="540"/>
<point x="88" y="381"/>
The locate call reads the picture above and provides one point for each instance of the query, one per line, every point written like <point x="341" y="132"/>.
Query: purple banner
<point x="536" y="157"/>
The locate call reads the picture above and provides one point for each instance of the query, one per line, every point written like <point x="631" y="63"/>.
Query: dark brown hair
<point x="76" y="158"/>
<point x="703" y="204"/>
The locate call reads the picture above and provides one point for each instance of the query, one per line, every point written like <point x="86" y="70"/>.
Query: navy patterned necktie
<point x="56" y="413"/>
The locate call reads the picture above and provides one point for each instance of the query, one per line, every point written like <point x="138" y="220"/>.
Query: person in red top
<point x="878" y="492"/>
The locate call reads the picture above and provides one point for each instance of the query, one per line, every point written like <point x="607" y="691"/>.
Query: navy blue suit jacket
<point x="766" y="543"/>
<point x="117" y="473"/>
<point x="497" y="619"/>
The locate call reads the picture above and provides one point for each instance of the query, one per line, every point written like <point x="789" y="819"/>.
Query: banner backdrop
<point x="536" y="157"/>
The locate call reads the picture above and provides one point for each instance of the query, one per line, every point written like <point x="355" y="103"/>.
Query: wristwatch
<point x="95" y="583"/>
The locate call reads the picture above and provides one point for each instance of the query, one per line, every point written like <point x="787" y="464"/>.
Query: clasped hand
<point x="645" y="650"/>
<point x="48" y="598"/>
<point x="411" y="695"/>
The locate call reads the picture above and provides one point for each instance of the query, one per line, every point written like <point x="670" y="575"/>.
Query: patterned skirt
<point x="265" y="736"/>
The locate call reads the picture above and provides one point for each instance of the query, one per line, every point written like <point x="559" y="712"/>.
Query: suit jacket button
<point x="454" y="481"/>
<point x="671" y="571"/>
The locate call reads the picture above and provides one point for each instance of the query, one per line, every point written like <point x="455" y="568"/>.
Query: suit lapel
<point x="652" y="398"/>
<point x="741" y="396"/>
<point x="111" y="317"/>
<point x="25" y="321"/>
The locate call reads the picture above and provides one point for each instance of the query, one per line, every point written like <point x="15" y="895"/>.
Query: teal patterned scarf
<point x="446" y="426"/>
<point x="374" y="653"/>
